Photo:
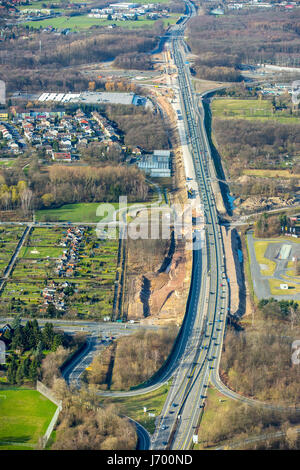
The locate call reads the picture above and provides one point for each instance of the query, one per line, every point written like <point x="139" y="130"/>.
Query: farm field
<point x="250" y="109"/>
<point x="9" y="238"/>
<point x="90" y="282"/>
<point x="78" y="23"/>
<point x="24" y="418"/>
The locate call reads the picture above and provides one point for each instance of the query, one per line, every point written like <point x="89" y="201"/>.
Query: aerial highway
<point x="199" y="343"/>
<point x="195" y="357"/>
<point x="181" y="413"/>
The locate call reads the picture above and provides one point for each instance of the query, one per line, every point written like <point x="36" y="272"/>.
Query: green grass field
<point x="134" y="406"/>
<point x="216" y="403"/>
<point x="83" y="212"/>
<point x="275" y="287"/>
<point x="251" y="110"/>
<point x="77" y="23"/>
<point x="269" y="265"/>
<point x="40" y="252"/>
<point x="24" y="418"/>
<point x="41" y="5"/>
<point x="7" y="163"/>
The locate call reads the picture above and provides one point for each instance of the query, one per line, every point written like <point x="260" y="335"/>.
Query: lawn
<point x="40" y="252"/>
<point x="216" y="403"/>
<point x="275" y="287"/>
<point x="82" y="212"/>
<point x="77" y="23"/>
<point x="41" y="5"/>
<point x="250" y="109"/>
<point x="134" y="406"/>
<point x="24" y="418"/>
<point x="7" y="163"/>
<point x="269" y="266"/>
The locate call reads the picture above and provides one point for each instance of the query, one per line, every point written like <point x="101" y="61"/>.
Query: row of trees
<point x="279" y="310"/>
<point x="271" y="226"/>
<point x="13" y="196"/>
<point x="32" y="337"/>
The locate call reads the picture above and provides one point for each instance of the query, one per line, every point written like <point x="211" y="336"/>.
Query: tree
<point x="33" y="370"/>
<point x="19" y="374"/>
<point x="18" y="339"/>
<point x="51" y="311"/>
<point x="26" y="200"/>
<point x="292" y="437"/>
<point x="16" y="323"/>
<point x="48" y="199"/>
<point x="92" y="86"/>
<point x="12" y="370"/>
<point x="48" y="335"/>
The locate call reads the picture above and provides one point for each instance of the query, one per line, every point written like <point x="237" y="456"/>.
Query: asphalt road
<point x="195" y="358"/>
<point x="189" y="392"/>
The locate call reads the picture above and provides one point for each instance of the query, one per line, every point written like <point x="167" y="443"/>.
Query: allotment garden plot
<point x="9" y="239"/>
<point x="63" y="272"/>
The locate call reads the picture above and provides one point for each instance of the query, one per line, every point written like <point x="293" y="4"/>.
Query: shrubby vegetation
<point x="141" y="127"/>
<point x="83" y="425"/>
<point x="134" y="61"/>
<point x="239" y="422"/>
<point x="61" y="51"/>
<point x="248" y="37"/>
<point x="222" y="74"/>
<point x="143" y="353"/>
<point x="248" y="144"/>
<point x="258" y="361"/>
<point x="289" y="441"/>
<point x="271" y="226"/>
